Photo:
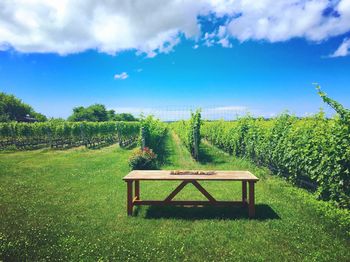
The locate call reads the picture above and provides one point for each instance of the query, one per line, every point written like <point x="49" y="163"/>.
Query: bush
<point x="143" y="159"/>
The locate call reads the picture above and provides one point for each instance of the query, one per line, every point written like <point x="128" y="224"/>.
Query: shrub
<point x="143" y="159"/>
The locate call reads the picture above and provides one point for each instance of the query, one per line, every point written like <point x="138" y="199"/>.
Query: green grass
<point x="71" y="205"/>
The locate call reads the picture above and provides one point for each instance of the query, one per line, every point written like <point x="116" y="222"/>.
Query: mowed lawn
<point x="71" y="205"/>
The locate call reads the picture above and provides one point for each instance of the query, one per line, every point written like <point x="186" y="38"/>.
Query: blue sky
<point x="217" y="67"/>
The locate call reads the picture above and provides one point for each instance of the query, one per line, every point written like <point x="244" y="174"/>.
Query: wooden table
<point x="165" y="175"/>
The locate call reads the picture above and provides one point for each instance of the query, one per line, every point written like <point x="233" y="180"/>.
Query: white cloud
<point x="195" y="46"/>
<point x="151" y="54"/>
<point x="66" y="27"/>
<point x="209" y="35"/>
<point x="121" y="76"/>
<point x="343" y="49"/>
<point x="221" y="31"/>
<point x="225" y="43"/>
<point x="282" y="20"/>
<point x="209" y="43"/>
<point x="153" y="27"/>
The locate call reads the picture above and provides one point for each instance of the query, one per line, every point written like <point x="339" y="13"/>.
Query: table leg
<point x="251" y="199"/>
<point x="244" y="193"/>
<point x="137" y="189"/>
<point x="129" y="197"/>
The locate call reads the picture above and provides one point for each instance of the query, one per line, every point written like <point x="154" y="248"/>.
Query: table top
<point x="166" y="175"/>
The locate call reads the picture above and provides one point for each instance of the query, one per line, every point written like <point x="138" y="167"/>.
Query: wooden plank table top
<point x="133" y="179"/>
<point x="166" y="175"/>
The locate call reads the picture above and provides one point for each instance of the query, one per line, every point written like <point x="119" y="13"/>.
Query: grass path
<point x="70" y="205"/>
<point x="176" y="154"/>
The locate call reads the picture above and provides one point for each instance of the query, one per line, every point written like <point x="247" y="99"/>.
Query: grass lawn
<point x="71" y="205"/>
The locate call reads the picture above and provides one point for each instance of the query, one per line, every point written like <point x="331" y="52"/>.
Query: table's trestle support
<point x="134" y="199"/>
<point x="183" y="184"/>
<point x="187" y="203"/>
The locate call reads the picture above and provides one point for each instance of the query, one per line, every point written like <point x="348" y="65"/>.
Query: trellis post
<point x="143" y="138"/>
<point x="195" y="142"/>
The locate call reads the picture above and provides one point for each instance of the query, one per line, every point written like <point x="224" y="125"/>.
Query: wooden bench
<point x="163" y="175"/>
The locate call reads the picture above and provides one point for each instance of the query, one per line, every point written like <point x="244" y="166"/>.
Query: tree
<point x="93" y="113"/>
<point x="39" y="117"/>
<point x="111" y="115"/>
<point x="98" y="113"/>
<point x="125" y="117"/>
<point x="13" y="109"/>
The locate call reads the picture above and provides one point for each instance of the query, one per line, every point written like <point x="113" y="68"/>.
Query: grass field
<point x="71" y="205"/>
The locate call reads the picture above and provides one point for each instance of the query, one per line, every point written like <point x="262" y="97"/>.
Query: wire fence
<point x="175" y="113"/>
<point x="211" y="113"/>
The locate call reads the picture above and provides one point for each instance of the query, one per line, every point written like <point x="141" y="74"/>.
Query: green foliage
<point x="189" y="132"/>
<point x="310" y="151"/>
<point x="93" y="113"/>
<point x="98" y="113"/>
<point x="127" y="130"/>
<point x="143" y="159"/>
<point x="339" y="108"/>
<point x="13" y="109"/>
<point x="154" y="132"/>
<point x="124" y="117"/>
<point x="313" y="151"/>
<point x="57" y="133"/>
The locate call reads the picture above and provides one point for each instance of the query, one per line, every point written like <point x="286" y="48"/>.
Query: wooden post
<point x="251" y="199"/>
<point x="129" y="197"/>
<point x="143" y="138"/>
<point x="50" y="137"/>
<point x="244" y="193"/>
<point x="82" y="134"/>
<point x="119" y="135"/>
<point x="137" y="189"/>
<point x="196" y="143"/>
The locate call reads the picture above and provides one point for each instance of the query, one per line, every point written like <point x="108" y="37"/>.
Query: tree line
<point x="13" y="109"/>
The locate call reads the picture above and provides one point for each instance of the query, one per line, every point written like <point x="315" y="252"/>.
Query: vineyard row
<point x="62" y="134"/>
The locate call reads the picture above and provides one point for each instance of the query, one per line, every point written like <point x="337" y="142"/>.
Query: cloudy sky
<point x="257" y="56"/>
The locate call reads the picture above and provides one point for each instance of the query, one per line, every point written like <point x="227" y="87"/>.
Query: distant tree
<point x="13" y="109"/>
<point x="111" y="115"/>
<point x="98" y="113"/>
<point x="125" y="117"/>
<point x="93" y="113"/>
<point x="39" y="117"/>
